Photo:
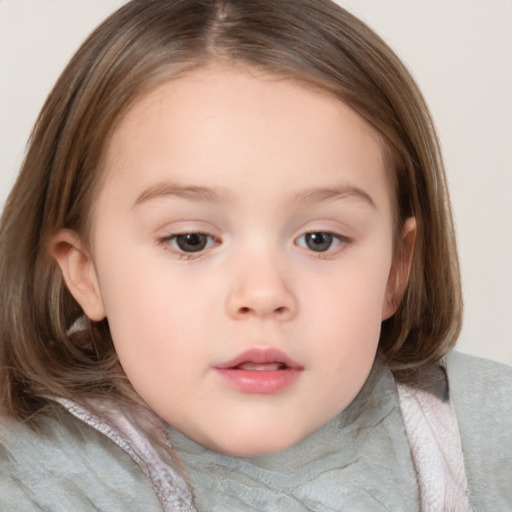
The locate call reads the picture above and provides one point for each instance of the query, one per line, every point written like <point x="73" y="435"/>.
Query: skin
<point x="254" y="162"/>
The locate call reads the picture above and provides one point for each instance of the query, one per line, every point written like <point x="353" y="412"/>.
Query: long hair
<point x="143" y="44"/>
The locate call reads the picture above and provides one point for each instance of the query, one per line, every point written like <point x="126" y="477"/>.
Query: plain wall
<point x="460" y="52"/>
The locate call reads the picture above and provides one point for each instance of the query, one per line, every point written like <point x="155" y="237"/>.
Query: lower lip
<point x="261" y="382"/>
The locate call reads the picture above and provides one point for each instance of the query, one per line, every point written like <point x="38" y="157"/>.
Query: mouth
<point x="268" y="367"/>
<point x="260" y="371"/>
<point x="261" y="359"/>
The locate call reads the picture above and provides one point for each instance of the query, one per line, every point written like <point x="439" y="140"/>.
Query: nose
<point x="259" y="290"/>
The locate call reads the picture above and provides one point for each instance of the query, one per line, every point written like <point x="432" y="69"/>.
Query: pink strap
<point x="434" y="439"/>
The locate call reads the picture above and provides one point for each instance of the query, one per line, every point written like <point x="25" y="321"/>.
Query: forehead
<point x="215" y="120"/>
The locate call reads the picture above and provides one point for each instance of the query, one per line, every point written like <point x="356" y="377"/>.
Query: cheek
<point x="152" y="336"/>
<point x="345" y="307"/>
<point x="151" y="310"/>
<point x="355" y="288"/>
<point x="159" y="319"/>
<point x="346" y="332"/>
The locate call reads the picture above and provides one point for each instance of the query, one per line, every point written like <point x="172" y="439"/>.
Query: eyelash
<point x="340" y="240"/>
<point x="171" y="242"/>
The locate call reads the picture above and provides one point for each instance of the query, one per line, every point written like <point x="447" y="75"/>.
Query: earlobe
<point x="400" y="269"/>
<point x="78" y="271"/>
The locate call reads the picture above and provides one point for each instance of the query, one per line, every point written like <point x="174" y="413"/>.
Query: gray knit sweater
<point x="394" y="448"/>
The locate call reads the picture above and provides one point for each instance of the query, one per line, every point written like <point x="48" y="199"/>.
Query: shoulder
<point x="481" y="391"/>
<point x="62" y="464"/>
<point x="476" y="371"/>
<point x="481" y="387"/>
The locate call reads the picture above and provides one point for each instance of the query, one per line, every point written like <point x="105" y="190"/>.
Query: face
<point x="241" y="250"/>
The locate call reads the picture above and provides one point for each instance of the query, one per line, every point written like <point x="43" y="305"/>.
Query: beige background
<point x="460" y="52"/>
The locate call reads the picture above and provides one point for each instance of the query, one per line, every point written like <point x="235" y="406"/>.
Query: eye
<point x="320" y="241"/>
<point x="190" y="242"/>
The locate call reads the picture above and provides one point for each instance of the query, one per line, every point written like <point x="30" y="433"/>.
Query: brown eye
<point x="191" y="242"/>
<point x="323" y="242"/>
<point x="318" y="242"/>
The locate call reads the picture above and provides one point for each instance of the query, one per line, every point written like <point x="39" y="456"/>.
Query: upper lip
<point x="261" y="356"/>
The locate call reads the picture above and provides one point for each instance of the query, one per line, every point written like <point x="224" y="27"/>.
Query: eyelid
<point x="342" y="242"/>
<point x="336" y="236"/>
<point x="171" y="235"/>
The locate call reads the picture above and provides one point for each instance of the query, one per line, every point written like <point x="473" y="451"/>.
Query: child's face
<point x="241" y="250"/>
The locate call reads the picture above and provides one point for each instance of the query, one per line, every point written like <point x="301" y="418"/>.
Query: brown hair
<point x="145" y="43"/>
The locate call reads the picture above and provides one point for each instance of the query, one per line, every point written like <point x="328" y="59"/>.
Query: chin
<point x="252" y="450"/>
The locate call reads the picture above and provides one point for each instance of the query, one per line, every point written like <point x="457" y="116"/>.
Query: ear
<point x="79" y="273"/>
<point x="400" y="269"/>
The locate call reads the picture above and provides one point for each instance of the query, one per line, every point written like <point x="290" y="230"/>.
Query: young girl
<point x="229" y="279"/>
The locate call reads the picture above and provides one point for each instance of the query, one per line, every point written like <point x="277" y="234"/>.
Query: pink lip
<point x="261" y="381"/>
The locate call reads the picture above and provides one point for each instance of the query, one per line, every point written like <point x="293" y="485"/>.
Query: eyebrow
<point x="190" y="192"/>
<point x="219" y="195"/>
<point x="320" y="194"/>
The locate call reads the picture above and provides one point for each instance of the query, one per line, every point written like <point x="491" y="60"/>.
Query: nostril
<point x="247" y="310"/>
